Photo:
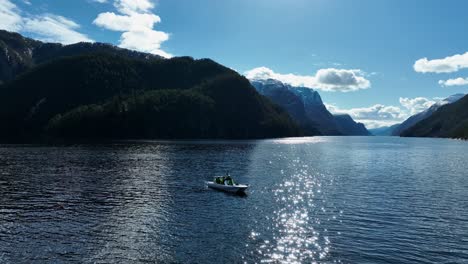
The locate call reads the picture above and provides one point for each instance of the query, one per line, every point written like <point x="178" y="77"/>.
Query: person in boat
<point x="220" y="180"/>
<point x="228" y="181"/>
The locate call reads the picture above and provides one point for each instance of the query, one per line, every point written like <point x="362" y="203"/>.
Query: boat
<point x="226" y="184"/>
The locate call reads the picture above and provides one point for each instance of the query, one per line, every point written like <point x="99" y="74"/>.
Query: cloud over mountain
<point x="45" y="27"/>
<point x="329" y="79"/>
<point x="135" y="20"/>
<point x="379" y="115"/>
<point x="416" y="105"/>
<point x="373" y="116"/>
<point x="53" y="28"/>
<point x="9" y="16"/>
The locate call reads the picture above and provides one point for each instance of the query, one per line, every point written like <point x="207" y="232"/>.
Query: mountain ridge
<point x="308" y="108"/>
<point x="449" y="121"/>
<point x="414" y="119"/>
<point x="120" y="94"/>
<point x="19" y="54"/>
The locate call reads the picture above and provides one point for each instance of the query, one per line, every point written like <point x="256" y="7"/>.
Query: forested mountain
<point x="115" y="93"/>
<point x="450" y="120"/>
<point x="306" y="107"/>
<point x="18" y="53"/>
<point x="414" y="119"/>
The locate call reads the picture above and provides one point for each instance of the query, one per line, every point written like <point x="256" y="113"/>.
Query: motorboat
<point x="227" y="184"/>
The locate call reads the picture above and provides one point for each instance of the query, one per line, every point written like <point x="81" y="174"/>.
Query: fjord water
<point x="322" y="199"/>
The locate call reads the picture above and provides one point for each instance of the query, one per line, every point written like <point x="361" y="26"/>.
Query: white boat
<point x="234" y="188"/>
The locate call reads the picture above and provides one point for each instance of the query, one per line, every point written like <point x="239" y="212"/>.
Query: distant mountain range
<point x="98" y="91"/>
<point x="383" y="131"/>
<point x="306" y="107"/>
<point x="449" y="120"/>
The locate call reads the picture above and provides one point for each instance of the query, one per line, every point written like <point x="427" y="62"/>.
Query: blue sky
<point x="361" y="55"/>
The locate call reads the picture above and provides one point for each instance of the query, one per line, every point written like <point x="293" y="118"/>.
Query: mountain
<point x="412" y="120"/>
<point x="282" y="95"/>
<point x="383" y="131"/>
<point x="317" y="112"/>
<point x="449" y="120"/>
<point x="18" y="53"/>
<point x="347" y="125"/>
<point x="303" y="104"/>
<point x="306" y="107"/>
<point x="118" y="94"/>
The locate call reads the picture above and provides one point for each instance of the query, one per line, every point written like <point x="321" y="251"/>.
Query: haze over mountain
<point x="306" y="107"/>
<point x="383" y="131"/>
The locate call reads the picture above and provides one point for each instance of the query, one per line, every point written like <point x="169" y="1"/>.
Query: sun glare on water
<point x="300" y="140"/>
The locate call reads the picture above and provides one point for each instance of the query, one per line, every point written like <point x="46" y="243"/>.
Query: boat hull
<point x="239" y="188"/>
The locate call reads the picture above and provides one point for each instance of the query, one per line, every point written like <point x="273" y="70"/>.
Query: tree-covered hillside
<point x="107" y="96"/>
<point x="19" y="54"/>
<point x="450" y="120"/>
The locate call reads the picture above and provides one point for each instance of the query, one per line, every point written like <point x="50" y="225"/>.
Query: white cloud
<point x="53" y="28"/>
<point x="46" y="27"/>
<point x="329" y="79"/>
<point x="100" y="1"/>
<point x="145" y="40"/>
<point x="447" y="64"/>
<point x="130" y="7"/>
<point x="9" y="16"/>
<point x="454" y="82"/>
<point x="379" y="115"/>
<point x="137" y="24"/>
<point x="416" y="105"/>
<point x="373" y="116"/>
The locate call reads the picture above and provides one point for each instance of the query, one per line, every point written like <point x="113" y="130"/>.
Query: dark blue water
<point x="322" y="199"/>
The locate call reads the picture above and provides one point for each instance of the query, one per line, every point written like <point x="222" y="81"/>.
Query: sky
<point x="379" y="61"/>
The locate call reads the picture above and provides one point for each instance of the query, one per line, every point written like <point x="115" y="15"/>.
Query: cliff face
<point x="306" y="107"/>
<point x="317" y="112"/>
<point x="16" y="54"/>
<point x="283" y="96"/>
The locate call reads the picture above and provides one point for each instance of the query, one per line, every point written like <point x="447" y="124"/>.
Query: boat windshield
<point x="225" y="180"/>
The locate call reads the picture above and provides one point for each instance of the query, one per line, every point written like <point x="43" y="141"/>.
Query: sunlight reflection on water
<point x="300" y="140"/>
<point x="297" y="233"/>
<point x="349" y="200"/>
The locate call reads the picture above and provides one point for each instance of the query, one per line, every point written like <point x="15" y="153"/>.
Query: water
<point x="321" y="199"/>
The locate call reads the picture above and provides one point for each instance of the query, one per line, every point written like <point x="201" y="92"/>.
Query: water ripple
<point x="312" y="200"/>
